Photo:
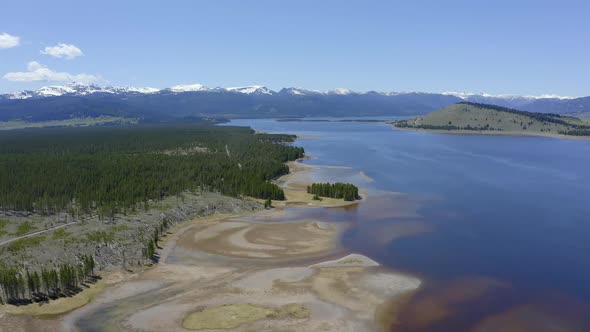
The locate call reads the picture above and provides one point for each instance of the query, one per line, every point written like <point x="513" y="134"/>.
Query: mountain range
<point x="195" y="100"/>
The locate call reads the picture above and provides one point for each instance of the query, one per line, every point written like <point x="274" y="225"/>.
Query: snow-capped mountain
<point x="82" y="89"/>
<point x="256" y="101"/>
<point x="144" y="90"/>
<point x="511" y="101"/>
<point x="76" y="89"/>
<point x="468" y="95"/>
<point x="56" y="90"/>
<point x="299" y="92"/>
<point x="189" y="88"/>
<point x="254" y="89"/>
<point x="197" y="101"/>
<point x="339" y="91"/>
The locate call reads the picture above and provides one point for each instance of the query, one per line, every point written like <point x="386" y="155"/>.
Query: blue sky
<point x="497" y="47"/>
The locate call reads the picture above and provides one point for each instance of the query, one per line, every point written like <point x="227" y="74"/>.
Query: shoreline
<point x="295" y="186"/>
<point x="492" y="133"/>
<point x="64" y="305"/>
<point x="267" y="261"/>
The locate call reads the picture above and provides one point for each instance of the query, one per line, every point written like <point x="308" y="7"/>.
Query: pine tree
<point x="151" y="250"/>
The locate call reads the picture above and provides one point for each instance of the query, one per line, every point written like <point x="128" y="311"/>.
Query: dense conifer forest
<point x="117" y="169"/>
<point x="346" y="191"/>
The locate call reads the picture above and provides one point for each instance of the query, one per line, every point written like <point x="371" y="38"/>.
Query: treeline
<point x="405" y="124"/>
<point x="543" y="117"/>
<point x="346" y="191"/>
<point x="114" y="169"/>
<point x="149" y="251"/>
<point x="22" y="287"/>
<point x="576" y="132"/>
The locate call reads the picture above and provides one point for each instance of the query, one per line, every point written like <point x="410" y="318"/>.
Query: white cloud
<point x="62" y="50"/>
<point x="37" y="72"/>
<point x="8" y="41"/>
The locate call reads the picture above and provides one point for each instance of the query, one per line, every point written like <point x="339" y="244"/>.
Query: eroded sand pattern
<point x="247" y="276"/>
<point x="263" y="240"/>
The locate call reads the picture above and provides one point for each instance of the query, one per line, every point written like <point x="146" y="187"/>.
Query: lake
<point x="497" y="227"/>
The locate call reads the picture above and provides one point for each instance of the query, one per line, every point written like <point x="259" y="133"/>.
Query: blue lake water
<point x="498" y="227"/>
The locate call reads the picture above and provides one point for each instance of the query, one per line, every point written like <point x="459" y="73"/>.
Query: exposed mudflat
<point x="263" y="240"/>
<point x="242" y="276"/>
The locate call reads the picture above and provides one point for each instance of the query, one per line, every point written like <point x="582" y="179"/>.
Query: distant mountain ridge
<point x="196" y="100"/>
<point x="81" y="89"/>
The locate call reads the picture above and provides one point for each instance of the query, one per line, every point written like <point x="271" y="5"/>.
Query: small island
<point x="476" y="118"/>
<point x="346" y="191"/>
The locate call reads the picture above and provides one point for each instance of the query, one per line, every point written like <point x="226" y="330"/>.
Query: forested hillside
<point x="117" y="169"/>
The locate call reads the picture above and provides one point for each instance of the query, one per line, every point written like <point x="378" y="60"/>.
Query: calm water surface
<point x="498" y="227"/>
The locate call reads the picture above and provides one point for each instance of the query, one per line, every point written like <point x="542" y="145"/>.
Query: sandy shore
<point x="233" y="272"/>
<point x="295" y="186"/>
<point x="225" y="268"/>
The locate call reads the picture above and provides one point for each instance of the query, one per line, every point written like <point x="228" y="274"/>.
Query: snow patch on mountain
<point x="189" y="88"/>
<point x="295" y="91"/>
<point x="300" y="91"/>
<point x="19" y="95"/>
<point x="470" y="95"/>
<point x="339" y="91"/>
<point x="144" y="90"/>
<point x="254" y="89"/>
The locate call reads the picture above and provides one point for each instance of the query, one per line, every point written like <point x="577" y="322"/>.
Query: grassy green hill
<point x="488" y="118"/>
